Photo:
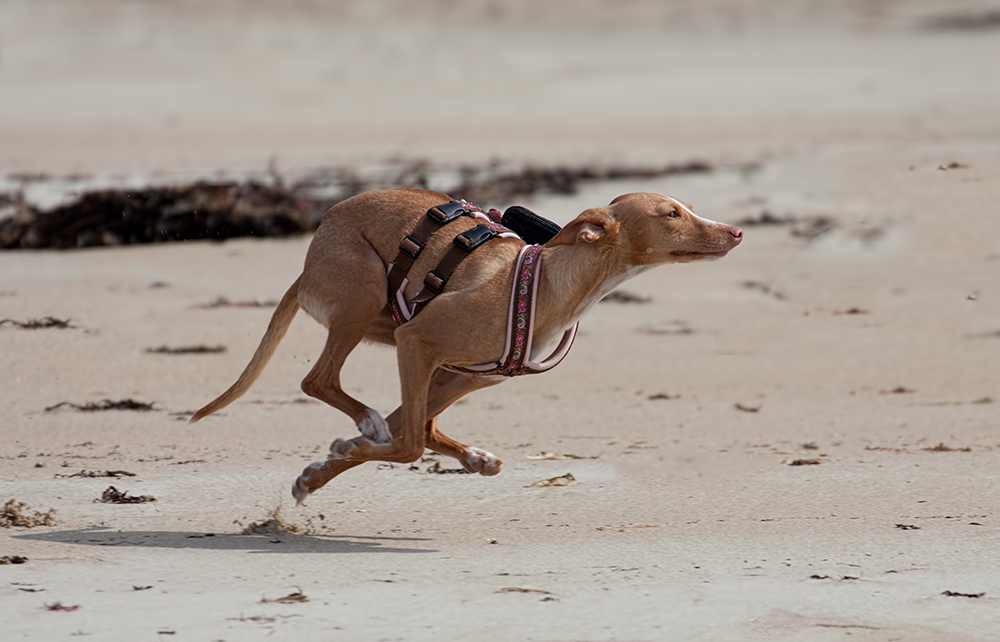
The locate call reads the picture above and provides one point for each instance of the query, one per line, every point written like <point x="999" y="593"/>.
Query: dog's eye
<point x="673" y="214"/>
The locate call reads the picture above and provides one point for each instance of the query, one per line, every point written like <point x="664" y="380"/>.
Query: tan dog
<point x="343" y="286"/>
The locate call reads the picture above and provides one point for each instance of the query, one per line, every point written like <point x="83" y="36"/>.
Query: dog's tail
<point x="276" y="329"/>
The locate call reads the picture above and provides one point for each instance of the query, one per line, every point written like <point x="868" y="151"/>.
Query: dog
<point x="343" y="286"/>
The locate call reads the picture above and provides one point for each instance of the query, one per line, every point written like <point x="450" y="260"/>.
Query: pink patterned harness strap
<point x="520" y="325"/>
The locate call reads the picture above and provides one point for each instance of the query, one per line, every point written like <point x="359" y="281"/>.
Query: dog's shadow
<point x="265" y="543"/>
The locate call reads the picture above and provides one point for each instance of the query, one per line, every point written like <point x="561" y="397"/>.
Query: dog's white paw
<point x="375" y="428"/>
<point x="477" y="460"/>
<point x="300" y="489"/>
<point x="344" y="448"/>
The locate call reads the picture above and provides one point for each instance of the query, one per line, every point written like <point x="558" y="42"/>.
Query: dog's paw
<point x="301" y="488"/>
<point x="375" y="428"/>
<point x="477" y="460"/>
<point x="344" y="448"/>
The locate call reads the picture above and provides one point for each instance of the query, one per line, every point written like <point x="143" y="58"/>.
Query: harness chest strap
<point x="516" y="359"/>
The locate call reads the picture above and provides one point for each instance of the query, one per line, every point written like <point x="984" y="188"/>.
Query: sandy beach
<point x="797" y="442"/>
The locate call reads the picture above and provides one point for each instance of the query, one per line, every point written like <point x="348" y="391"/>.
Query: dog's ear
<point x="589" y="227"/>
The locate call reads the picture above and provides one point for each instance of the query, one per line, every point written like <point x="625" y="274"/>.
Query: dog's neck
<point x="574" y="278"/>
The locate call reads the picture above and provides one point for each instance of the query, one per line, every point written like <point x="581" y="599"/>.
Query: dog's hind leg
<point x="417" y="364"/>
<point x="347" y="324"/>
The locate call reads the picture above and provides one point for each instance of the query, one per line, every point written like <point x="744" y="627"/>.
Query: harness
<point x="521" y="318"/>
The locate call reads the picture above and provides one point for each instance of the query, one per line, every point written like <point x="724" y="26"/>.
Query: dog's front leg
<point x="473" y="460"/>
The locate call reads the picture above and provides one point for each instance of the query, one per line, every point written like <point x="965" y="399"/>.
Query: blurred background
<point x="162" y="86"/>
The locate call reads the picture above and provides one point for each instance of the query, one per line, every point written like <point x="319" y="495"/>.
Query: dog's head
<point x="648" y="229"/>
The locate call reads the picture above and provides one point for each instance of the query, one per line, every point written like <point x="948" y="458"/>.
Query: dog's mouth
<point x="700" y="255"/>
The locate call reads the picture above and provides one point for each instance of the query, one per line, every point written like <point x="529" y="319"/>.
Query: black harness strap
<point x="435" y="280"/>
<point x="413" y="244"/>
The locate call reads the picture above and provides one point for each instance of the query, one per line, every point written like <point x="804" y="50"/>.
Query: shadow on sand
<point x="270" y="543"/>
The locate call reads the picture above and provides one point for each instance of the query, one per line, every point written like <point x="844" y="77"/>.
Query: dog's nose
<point x="736" y="232"/>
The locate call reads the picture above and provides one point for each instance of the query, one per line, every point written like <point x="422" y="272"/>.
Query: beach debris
<point x="624" y="296"/>
<point x="199" y="349"/>
<point x="57" y="606"/>
<point x="981" y="400"/>
<point x="520" y="589"/>
<point x="274" y="524"/>
<point x="941" y="448"/>
<point x="952" y="165"/>
<point x="804" y="462"/>
<point x="979" y="21"/>
<point x="18" y="514"/>
<point x="223" y="302"/>
<point x="13" y="559"/>
<point x="811" y="445"/>
<point x="851" y="311"/>
<point x="256" y="619"/>
<point x="545" y="456"/>
<point x="744" y="408"/>
<point x="99" y="473"/>
<point x="561" y="480"/>
<point x="957" y="594"/>
<point x="201" y="210"/>
<point x="662" y="396"/>
<point x="765" y="219"/>
<point x="626" y="528"/>
<point x="812" y="227"/>
<point x="807" y="227"/>
<point x="436" y="468"/>
<point x="669" y="328"/>
<point x="292" y="598"/>
<point x="104" y="404"/>
<point x="220" y="210"/>
<point x="38" y="324"/>
<point x="897" y="391"/>
<point x="490" y="184"/>
<point x="141" y="588"/>
<point x="766" y="288"/>
<point x="907" y="527"/>
<point x="112" y="495"/>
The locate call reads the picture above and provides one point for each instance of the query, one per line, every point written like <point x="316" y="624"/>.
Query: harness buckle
<point x="411" y="246"/>
<point x="471" y="239"/>
<point x="446" y="213"/>
<point x="435" y="282"/>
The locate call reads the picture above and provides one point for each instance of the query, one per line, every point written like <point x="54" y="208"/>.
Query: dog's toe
<point x="477" y="460"/>
<point x="301" y="488"/>
<point x="343" y="448"/>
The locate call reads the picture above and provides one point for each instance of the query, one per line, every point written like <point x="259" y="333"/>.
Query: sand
<point x="687" y="421"/>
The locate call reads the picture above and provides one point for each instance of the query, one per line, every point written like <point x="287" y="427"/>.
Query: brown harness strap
<point x="464" y="243"/>
<point x="413" y="244"/>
